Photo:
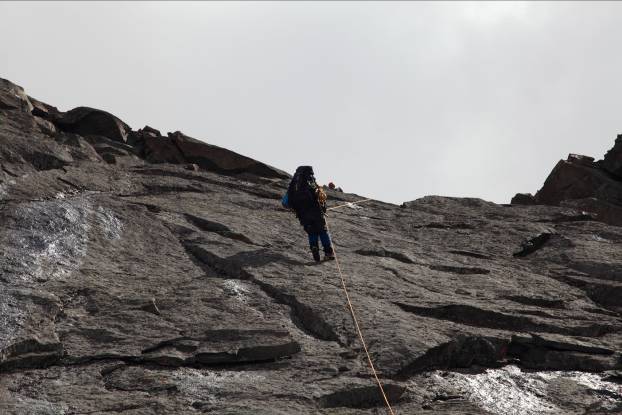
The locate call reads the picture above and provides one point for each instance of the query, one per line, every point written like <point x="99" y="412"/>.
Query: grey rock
<point x="90" y="121"/>
<point x="145" y="286"/>
<point x="523" y="199"/>
<point x="581" y="183"/>
<point x="533" y="244"/>
<point x="13" y="97"/>
<point x="178" y="148"/>
<point x="613" y="159"/>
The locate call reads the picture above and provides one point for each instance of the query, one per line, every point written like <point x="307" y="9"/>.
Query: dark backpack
<point x="301" y="190"/>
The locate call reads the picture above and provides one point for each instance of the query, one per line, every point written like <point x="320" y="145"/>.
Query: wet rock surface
<point x="153" y="286"/>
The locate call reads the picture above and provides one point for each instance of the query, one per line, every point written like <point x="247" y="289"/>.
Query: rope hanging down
<point x="356" y="323"/>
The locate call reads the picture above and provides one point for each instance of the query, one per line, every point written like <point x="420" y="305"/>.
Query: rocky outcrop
<point x="581" y="183"/>
<point x="533" y="244"/>
<point x="572" y="179"/>
<point x="13" y="97"/>
<point x="613" y="159"/>
<point x="523" y="199"/>
<point x="178" y="148"/>
<point x="161" y="275"/>
<point x="101" y="136"/>
<point x="87" y="121"/>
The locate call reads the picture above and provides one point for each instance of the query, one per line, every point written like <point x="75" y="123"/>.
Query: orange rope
<point x="358" y="328"/>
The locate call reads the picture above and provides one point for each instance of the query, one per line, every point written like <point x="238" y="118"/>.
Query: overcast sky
<point x="389" y="100"/>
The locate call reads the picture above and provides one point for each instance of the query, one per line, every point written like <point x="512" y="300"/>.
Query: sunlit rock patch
<point x="511" y="391"/>
<point x="47" y="239"/>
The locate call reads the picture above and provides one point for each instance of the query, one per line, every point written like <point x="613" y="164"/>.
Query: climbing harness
<point x="356" y="323"/>
<point x="321" y="196"/>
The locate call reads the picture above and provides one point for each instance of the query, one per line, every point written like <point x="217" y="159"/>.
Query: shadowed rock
<point x="178" y="148"/>
<point x="459" y="270"/>
<point x="13" y="97"/>
<point x="549" y="352"/>
<point x="613" y="159"/>
<point x="523" y="199"/>
<point x="385" y="253"/>
<point x="361" y="397"/>
<point x="87" y="121"/>
<point x="533" y="244"/>
<point x="581" y="183"/>
<point x="222" y="347"/>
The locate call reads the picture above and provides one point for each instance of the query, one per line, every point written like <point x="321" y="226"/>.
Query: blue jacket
<point x="285" y="200"/>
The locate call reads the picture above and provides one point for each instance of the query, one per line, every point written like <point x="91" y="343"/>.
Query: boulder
<point x="43" y="110"/>
<point x="211" y="157"/>
<point x="90" y="121"/>
<point x="151" y="131"/>
<point x="581" y="183"/>
<point x="178" y="148"/>
<point x="523" y="199"/>
<point x="157" y="149"/>
<point x="13" y="97"/>
<point x="581" y="159"/>
<point x="571" y="179"/>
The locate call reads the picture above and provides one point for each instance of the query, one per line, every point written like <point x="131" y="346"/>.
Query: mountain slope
<point x="150" y="274"/>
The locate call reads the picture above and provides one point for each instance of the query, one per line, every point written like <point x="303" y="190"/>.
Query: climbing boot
<point x="315" y="251"/>
<point x="329" y="254"/>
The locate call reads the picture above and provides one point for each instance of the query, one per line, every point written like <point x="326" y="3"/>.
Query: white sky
<point x="389" y="100"/>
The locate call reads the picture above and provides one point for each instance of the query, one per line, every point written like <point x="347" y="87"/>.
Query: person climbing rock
<point x="308" y="200"/>
<point x="331" y="186"/>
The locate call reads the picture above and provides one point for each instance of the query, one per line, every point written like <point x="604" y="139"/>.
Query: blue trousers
<point x="323" y="236"/>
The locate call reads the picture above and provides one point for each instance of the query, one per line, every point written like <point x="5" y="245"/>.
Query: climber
<point x="308" y="200"/>
<point x="331" y="186"/>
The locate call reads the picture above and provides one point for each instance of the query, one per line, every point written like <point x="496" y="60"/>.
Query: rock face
<point x="579" y="182"/>
<point x="523" y="199"/>
<point x="88" y="121"/>
<point x="160" y="275"/>
<point x="613" y="159"/>
<point x="178" y="148"/>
